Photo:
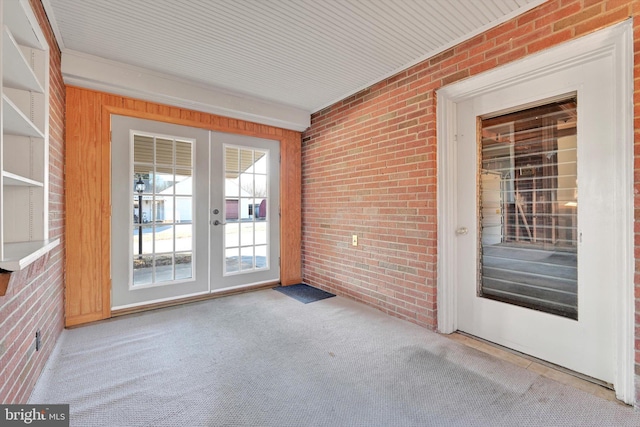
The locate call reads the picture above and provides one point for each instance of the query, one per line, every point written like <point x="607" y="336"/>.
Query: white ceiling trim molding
<point x="92" y="72"/>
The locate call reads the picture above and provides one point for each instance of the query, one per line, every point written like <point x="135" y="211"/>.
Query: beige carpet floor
<point x="265" y="359"/>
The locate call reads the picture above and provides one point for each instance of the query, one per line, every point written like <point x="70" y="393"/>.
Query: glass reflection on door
<point x="528" y="202"/>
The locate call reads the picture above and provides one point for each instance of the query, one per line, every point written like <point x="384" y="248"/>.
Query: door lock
<point x="462" y="231"/>
<point x="216" y="211"/>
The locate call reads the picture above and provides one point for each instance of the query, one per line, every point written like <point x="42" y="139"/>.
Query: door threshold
<point x="546" y="369"/>
<point x="202" y="297"/>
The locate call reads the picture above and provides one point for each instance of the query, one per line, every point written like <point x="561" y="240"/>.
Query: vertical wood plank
<point x="290" y="209"/>
<point x="83" y="200"/>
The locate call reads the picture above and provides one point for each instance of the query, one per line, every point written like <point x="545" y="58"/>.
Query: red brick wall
<point x="369" y="164"/>
<point x="34" y="299"/>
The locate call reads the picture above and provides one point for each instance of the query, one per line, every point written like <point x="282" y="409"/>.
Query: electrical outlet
<point x="38" y="340"/>
<point x="354" y="240"/>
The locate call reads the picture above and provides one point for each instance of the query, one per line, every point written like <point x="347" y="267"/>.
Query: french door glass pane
<point x="163" y="268"/>
<point x="246" y="201"/>
<point x="163" y="212"/>
<point x="528" y="208"/>
<point x="246" y="185"/>
<point x="183" y="155"/>
<point x="184" y="265"/>
<point x="261" y="256"/>
<point x="183" y="185"/>
<point x="184" y="237"/>
<point x="247" y="261"/>
<point x="163" y="180"/>
<point x="164" y="152"/>
<point x="162" y="221"/>
<point x="147" y="237"/>
<point x="163" y="239"/>
<point x="260" y="184"/>
<point x="246" y="234"/>
<point x="260" y="167"/>
<point x="143" y="149"/>
<point x="261" y="233"/>
<point x="143" y="270"/>
<point x="232" y="260"/>
<point x="232" y="234"/>
<point x="183" y="210"/>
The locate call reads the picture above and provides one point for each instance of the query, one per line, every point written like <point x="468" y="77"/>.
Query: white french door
<point x="193" y="211"/>
<point x="244" y="210"/>
<point x="536" y="205"/>
<point x="159" y="211"/>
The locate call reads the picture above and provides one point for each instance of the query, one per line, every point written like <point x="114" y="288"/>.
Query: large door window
<point x="528" y="208"/>
<point x="246" y="214"/>
<point x="162" y="220"/>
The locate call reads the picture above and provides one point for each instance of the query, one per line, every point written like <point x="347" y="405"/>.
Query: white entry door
<point x="193" y="211"/>
<point x="536" y="252"/>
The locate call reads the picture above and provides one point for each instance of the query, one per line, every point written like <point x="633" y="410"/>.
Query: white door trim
<point x="615" y="42"/>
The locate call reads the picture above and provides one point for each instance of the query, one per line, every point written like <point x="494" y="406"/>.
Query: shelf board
<point x="17" y="256"/>
<point x="15" y="122"/>
<point x="23" y="24"/>
<point x="16" y="72"/>
<point x="13" y="180"/>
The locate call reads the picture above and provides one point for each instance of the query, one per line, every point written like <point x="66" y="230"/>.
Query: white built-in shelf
<point x="16" y="72"/>
<point x="17" y="256"/>
<point x="16" y="17"/>
<point x="24" y="64"/>
<point x="15" y="122"/>
<point x="13" y="180"/>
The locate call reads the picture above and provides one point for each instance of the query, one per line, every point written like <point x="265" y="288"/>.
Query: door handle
<point x="216" y="222"/>
<point x="462" y="231"/>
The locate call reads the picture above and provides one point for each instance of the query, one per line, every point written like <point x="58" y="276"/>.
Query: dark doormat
<point x="304" y="293"/>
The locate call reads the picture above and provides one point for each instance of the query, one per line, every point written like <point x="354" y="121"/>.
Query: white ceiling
<point x="304" y="54"/>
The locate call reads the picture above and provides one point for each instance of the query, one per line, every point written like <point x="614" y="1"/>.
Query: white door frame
<point x="616" y="43"/>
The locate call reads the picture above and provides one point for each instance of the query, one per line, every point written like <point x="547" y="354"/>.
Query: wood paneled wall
<point x="88" y="180"/>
